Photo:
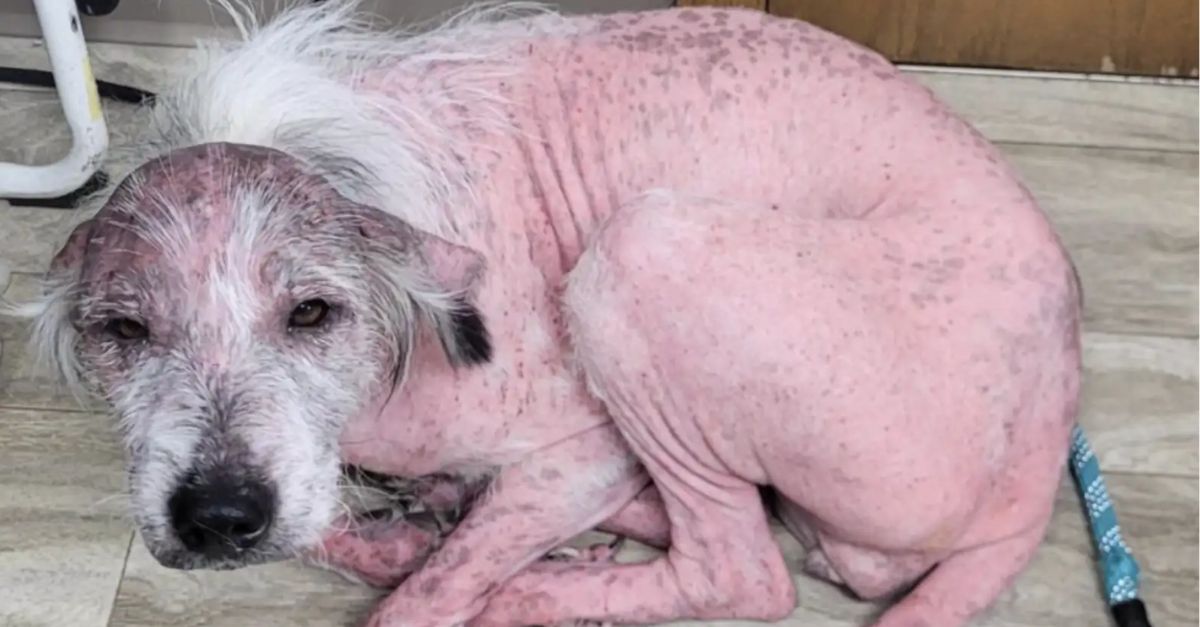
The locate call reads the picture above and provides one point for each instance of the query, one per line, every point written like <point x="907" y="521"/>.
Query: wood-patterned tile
<point x="29" y="237"/>
<point x="34" y="130"/>
<point x="1046" y="110"/>
<point x="1140" y="402"/>
<point x="144" y="67"/>
<point x="1060" y="588"/>
<point x="1129" y="220"/>
<point x="276" y="594"/>
<point x="64" y="532"/>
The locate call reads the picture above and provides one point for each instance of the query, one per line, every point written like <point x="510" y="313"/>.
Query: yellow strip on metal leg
<point x="93" y="96"/>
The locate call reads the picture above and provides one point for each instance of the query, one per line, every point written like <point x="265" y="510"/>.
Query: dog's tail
<point x="1121" y="572"/>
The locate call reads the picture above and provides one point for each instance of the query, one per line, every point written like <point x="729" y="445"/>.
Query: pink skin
<point x="384" y="554"/>
<point x="882" y="326"/>
<point x="875" y="319"/>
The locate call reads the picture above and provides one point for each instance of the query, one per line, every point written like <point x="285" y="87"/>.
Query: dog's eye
<point x="126" y="329"/>
<point x="308" y="314"/>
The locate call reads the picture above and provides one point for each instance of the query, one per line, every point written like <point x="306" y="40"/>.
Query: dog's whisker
<point x="105" y="504"/>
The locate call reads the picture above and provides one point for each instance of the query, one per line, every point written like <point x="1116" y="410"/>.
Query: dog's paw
<point x="376" y="553"/>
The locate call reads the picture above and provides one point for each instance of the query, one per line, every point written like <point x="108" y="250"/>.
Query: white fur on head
<point x="294" y="84"/>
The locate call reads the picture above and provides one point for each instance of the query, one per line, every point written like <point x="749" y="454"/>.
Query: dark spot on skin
<point x="74" y="24"/>
<point x="430" y="586"/>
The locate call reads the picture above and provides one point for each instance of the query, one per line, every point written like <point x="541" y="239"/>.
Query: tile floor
<point x="1113" y="162"/>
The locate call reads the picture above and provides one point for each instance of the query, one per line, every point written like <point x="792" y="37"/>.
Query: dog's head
<point x="234" y="310"/>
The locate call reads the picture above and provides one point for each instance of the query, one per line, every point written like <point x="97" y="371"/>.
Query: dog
<point x="623" y="271"/>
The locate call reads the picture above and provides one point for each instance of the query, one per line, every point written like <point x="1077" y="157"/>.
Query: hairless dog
<point x="619" y="272"/>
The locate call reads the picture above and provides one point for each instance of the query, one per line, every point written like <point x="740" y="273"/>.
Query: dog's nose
<point x="220" y="519"/>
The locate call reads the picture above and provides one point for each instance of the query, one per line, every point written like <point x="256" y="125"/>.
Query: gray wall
<point x="180" y="22"/>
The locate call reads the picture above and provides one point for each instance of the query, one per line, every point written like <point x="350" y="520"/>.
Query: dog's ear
<point x="440" y="277"/>
<point x="70" y="255"/>
<point x="456" y="271"/>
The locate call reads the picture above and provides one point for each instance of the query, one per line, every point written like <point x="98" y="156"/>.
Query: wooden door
<point x="1139" y="37"/>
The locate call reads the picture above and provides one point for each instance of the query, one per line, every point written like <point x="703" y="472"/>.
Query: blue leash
<point x="1121" y="572"/>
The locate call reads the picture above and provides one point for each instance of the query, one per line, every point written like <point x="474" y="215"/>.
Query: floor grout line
<point x="1086" y="77"/>
<point x="1147" y="475"/>
<point x="112" y="608"/>
<point x="58" y="410"/>
<point x="1112" y="148"/>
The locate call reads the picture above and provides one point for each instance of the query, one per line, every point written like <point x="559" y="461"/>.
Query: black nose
<point x="221" y="518"/>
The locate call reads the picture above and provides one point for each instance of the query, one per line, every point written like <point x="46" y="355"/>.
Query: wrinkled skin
<point x="874" y="318"/>
<point x="842" y="293"/>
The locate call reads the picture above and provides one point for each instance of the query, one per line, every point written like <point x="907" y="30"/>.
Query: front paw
<point x="561" y="558"/>
<point x="375" y="553"/>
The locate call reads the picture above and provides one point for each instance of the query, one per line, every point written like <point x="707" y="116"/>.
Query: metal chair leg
<point x="76" y="88"/>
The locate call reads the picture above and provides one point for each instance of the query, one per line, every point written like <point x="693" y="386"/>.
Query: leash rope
<point x="1121" y="571"/>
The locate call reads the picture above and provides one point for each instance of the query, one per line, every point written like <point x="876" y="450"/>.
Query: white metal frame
<point x="76" y="88"/>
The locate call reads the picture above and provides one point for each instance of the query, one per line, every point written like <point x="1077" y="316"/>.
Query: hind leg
<point x="867" y="573"/>
<point x="674" y="311"/>
<point x="643" y="519"/>
<point x="737" y="346"/>
<point x="795" y="520"/>
<point x="965" y="584"/>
